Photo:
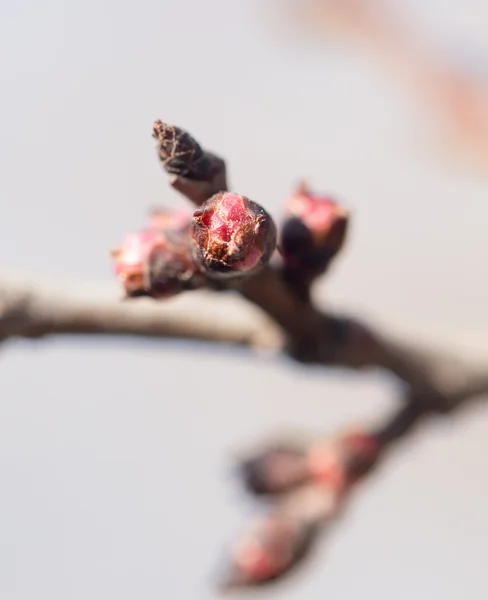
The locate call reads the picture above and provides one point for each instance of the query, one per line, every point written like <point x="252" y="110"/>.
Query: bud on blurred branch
<point x="232" y="236"/>
<point x="309" y="488"/>
<point x="195" y="173"/>
<point x="158" y="262"/>
<point x="313" y="233"/>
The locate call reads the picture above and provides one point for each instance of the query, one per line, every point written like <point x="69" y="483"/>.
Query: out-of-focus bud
<point x="313" y="233"/>
<point x="339" y="462"/>
<point x="180" y="154"/>
<point x="361" y="450"/>
<point x="275" y="545"/>
<point x="157" y="262"/>
<point x="275" y="470"/>
<point x="313" y="503"/>
<point x="326" y="465"/>
<point x="232" y="236"/>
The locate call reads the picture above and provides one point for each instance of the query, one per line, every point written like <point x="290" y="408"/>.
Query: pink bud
<point x="326" y="465"/>
<point x="130" y="259"/>
<point x="320" y="214"/>
<point x="273" y="546"/>
<point x="232" y="236"/>
<point x="313" y="233"/>
<point x="275" y="470"/>
<point x="157" y="262"/>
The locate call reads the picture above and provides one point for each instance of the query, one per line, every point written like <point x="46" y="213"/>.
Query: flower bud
<point x="272" y="547"/>
<point x="180" y="154"/>
<point x="157" y="262"/>
<point x="275" y="470"/>
<point x="361" y="450"/>
<point x="338" y="463"/>
<point x="232" y="236"/>
<point x="327" y="466"/>
<point x="313" y="233"/>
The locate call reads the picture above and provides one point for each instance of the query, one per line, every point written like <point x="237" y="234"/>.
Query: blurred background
<point x="115" y="463"/>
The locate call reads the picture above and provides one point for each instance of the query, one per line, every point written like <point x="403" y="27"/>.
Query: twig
<point x="32" y="308"/>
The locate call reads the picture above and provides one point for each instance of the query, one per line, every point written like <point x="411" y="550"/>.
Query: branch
<point x="456" y="95"/>
<point x="313" y="336"/>
<point x="33" y="308"/>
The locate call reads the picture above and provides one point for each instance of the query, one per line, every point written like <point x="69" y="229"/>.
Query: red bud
<point x="313" y="233"/>
<point x="232" y="236"/>
<point x="157" y="262"/>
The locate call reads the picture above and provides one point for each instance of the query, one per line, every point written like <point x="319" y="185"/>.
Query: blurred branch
<point x="455" y="96"/>
<point x="33" y="308"/>
<point x="36" y="308"/>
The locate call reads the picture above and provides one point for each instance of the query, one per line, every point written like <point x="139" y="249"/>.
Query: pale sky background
<point x="91" y="431"/>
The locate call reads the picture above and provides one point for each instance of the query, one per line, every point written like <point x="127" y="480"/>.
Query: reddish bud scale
<point x="326" y="466"/>
<point x="256" y="563"/>
<point x="337" y="464"/>
<point x="232" y="236"/>
<point x="313" y="233"/>
<point x="157" y="262"/>
<point x="271" y="549"/>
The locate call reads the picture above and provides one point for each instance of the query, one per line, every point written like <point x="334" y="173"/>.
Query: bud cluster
<point x="309" y="486"/>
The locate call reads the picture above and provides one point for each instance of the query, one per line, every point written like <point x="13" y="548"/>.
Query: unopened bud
<point x="313" y="233"/>
<point x="232" y="236"/>
<point x="180" y="154"/>
<point x="338" y="463"/>
<point x="361" y="450"/>
<point x="157" y="262"/>
<point x="275" y="470"/>
<point x="275" y="545"/>
<point x="327" y="466"/>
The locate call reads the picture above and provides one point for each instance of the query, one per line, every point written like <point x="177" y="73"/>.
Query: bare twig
<point x="33" y="308"/>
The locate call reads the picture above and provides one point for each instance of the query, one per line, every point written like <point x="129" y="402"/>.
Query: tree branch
<point x="33" y="308"/>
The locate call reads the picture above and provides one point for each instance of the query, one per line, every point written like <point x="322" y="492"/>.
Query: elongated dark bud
<point x="180" y="154"/>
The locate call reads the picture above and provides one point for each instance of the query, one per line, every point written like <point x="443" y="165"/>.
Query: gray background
<point x="114" y="460"/>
